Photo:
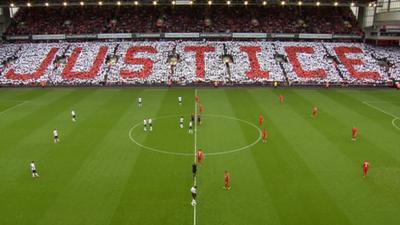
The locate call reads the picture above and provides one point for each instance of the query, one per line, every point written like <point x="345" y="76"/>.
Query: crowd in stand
<point x="136" y="63"/>
<point x="389" y="57"/>
<point x="141" y="19"/>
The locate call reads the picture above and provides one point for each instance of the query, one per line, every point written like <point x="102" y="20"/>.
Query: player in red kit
<point x="197" y="99"/>
<point x="280" y="98"/>
<point x="261" y="120"/>
<point x="199" y="156"/>
<point x="365" y="168"/>
<point x="354" y="133"/>
<point x="200" y="108"/>
<point x="264" y="135"/>
<point x="314" y="112"/>
<point x="227" y="180"/>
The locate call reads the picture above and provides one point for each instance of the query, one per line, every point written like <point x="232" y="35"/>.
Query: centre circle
<point x="216" y="135"/>
<point x="396" y="121"/>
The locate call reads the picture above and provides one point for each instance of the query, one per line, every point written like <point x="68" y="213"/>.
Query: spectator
<point x="147" y="63"/>
<point x="128" y="19"/>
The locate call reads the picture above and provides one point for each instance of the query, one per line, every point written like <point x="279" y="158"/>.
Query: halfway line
<point x="195" y="148"/>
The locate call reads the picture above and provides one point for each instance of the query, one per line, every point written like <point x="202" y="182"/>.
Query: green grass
<point x="308" y="173"/>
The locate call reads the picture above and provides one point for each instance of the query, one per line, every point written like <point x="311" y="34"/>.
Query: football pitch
<point x="106" y="170"/>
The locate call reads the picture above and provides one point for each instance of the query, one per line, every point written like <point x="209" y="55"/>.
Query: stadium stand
<point x="186" y="63"/>
<point x="127" y="19"/>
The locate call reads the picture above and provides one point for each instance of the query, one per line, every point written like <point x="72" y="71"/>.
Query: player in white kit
<point x="180" y="100"/>
<point x="140" y="102"/>
<point x="55" y="136"/>
<point x="150" y="122"/>
<point x="181" y="122"/>
<point x="145" y="124"/>
<point x="33" y="170"/>
<point x="73" y="115"/>
<point x="190" y="127"/>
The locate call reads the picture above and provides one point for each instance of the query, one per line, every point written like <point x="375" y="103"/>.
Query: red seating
<point x="95" y="63"/>
<point x="129" y="19"/>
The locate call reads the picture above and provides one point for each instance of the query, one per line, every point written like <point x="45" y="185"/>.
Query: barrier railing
<point x="183" y="36"/>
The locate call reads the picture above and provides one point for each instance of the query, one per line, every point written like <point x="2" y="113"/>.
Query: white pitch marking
<point x="236" y="149"/>
<point x="190" y="154"/>
<point x="13" y="107"/>
<point x="155" y="149"/>
<point x="394" y="123"/>
<point x="383" y="102"/>
<point x="195" y="126"/>
<point x="195" y="149"/>
<point x="385" y="112"/>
